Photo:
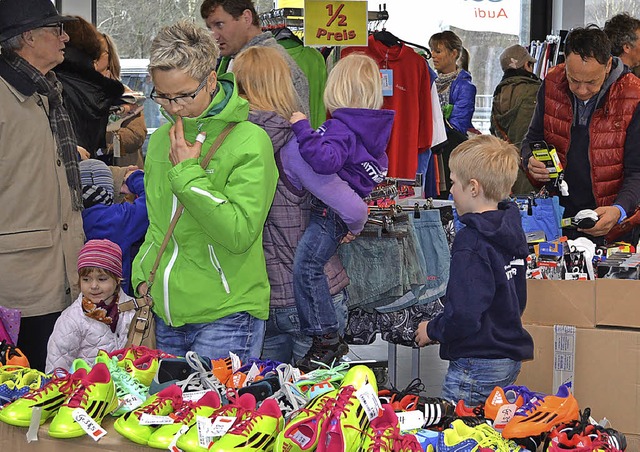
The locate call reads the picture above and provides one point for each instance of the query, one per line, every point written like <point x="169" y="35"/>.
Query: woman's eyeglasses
<point x="185" y="99"/>
<point x="59" y="28"/>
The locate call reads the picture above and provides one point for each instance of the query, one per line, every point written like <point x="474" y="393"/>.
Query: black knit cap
<point x="18" y="16"/>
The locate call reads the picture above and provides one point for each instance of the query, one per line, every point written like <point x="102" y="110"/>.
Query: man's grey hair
<point x="14" y="43"/>
<point x="184" y="46"/>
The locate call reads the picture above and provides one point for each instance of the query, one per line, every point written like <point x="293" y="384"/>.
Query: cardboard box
<point x="607" y="372"/>
<point x="617" y="303"/>
<point x="551" y="302"/>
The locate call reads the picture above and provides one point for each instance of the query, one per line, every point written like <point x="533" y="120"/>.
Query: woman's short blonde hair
<point x="264" y="79"/>
<point x="354" y="82"/>
<point x="489" y="160"/>
<point x="184" y="46"/>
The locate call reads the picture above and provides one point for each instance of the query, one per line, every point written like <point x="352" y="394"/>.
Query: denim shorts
<point x="283" y="340"/>
<point x="240" y="333"/>
<point x="473" y="379"/>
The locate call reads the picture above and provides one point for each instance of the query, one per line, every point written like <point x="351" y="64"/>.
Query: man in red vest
<point x="588" y="108"/>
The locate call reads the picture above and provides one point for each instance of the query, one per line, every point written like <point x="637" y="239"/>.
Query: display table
<point x="13" y="439"/>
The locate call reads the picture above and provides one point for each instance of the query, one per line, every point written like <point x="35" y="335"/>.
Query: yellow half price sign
<point x="335" y="23"/>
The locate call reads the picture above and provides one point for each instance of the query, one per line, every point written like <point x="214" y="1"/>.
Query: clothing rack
<point x="546" y="54"/>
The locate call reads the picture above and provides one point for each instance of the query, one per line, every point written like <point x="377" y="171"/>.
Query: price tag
<point x="221" y="425"/>
<point x="387" y="81"/>
<point x="91" y="427"/>
<point x="300" y="438"/>
<point x="329" y="23"/>
<point x="174" y="441"/>
<point x="410" y="420"/>
<point x="369" y="401"/>
<point x="252" y="374"/>
<point x="203" y="424"/>
<point x="194" y="396"/>
<point x="116" y="145"/>
<point x="130" y="402"/>
<point x="505" y="413"/>
<point x="235" y="362"/>
<point x="152" y="419"/>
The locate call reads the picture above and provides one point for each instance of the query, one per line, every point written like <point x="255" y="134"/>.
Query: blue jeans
<point x="473" y="379"/>
<point x="240" y="333"/>
<point x="310" y="287"/>
<point x="283" y="340"/>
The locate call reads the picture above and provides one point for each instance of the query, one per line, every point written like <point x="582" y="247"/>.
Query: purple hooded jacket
<point x="352" y="144"/>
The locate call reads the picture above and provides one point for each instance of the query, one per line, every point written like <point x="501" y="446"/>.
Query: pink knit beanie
<point x="101" y="254"/>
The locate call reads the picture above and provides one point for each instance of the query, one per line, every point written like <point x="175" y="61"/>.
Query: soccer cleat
<point x="325" y="350"/>
<point x="186" y="415"/>
<point x="287" y="395"/>
<point x="383" y="432"/>
<point x="407" y="443"/>
<point x="341" y="431"/>
<point x="17" y="384"/>
<point x="436" y="410"/>
<point x="49" y="398"/>
<point x="222" y="368"/>
<point x="95" y="394"/>
<point x="10" y="355"/>
<point x="509" y="395"/>
<point x="143" y="369"/>
<point x="302" y="433"/>
<point x="456" y="439"/>
<point x="239" y="408"/>
<point x="130" y="392"/>
<point x="161" y="404"/>
<point x="541" y="414"/>
<point x="582" y="434"/>
<point x="255" y="433"/>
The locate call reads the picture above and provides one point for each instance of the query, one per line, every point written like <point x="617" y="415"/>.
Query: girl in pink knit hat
<point x="92" y="322"/>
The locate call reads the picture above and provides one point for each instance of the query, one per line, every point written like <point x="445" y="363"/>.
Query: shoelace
<point x="203" y="377"/>
<point x="155" y="406"/>
<point x="324" y="372"/>
<point x="492" y="439"/>
<point x="289" y="398"/>
<point x="127" y="383"/>
<point x="343" y="402"/>
<point x="80" y="395"/>
<point x="61" y="379"/>
<point x="529" y="406"/>
<point x="184" y="413"/>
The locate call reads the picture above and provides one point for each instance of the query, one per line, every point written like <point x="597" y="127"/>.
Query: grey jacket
<point x="300" y="81"/>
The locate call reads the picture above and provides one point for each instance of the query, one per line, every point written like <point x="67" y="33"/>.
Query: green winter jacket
<point x="214" y="264"/>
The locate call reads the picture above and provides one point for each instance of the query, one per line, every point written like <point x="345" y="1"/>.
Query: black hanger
<point x="285" y="33"/>
<point x="386" y="38"/>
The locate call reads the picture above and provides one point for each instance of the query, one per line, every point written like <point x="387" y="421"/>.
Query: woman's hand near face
<point x="181" y="149"/>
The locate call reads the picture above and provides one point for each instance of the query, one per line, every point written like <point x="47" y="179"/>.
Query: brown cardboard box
<point x="552" y="302"/>
<point x="618" y="302"/>
<point x="607" y="372"/>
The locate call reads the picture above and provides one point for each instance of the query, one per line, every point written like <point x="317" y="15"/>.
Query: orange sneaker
<point x="10" y="355"/>
<point x="542" y="413"/>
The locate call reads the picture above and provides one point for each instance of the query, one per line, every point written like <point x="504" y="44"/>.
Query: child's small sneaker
<point x="326" y="349"/>
<point x="542" y="414"/>
<point x="186" y="415"/>
<point x="96" y="394"/>
<point x="257" y="432"/>
<point x="161" y="404"/>
<point x="240" y="408"/>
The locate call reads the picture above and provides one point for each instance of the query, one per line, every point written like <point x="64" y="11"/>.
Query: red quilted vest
<point x="607" y="130"/>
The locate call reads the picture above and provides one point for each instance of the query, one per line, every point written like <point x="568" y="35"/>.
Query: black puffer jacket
<point x="88" y="95"/>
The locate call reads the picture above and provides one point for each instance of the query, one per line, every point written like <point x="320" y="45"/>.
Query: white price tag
<point x="91" y="427"/>
<point x="369" y="401"/>
<point x="152" y="419"/>
<point x="203" y="424"/>
<point x="221" y="425"/>
<point x="194" y="396"/>
<point x="300" y="438"/>
<point x="252" y="374"/>
<point x="410" y="420"/>
<point x="174" y="441"/>
<point x="505" y="413"/>
<point x="130" y="402"/>
<point x="235" y="362"/>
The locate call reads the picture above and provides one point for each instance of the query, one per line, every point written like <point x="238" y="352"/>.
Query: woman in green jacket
<point x="211" y="291"/>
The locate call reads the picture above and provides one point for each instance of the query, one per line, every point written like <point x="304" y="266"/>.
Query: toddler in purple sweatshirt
<point x="352" y="144"/>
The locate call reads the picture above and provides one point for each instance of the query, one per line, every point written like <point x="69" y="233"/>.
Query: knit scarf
<point x="443" y="85"/>
<point x="59" y="121"/>
<point x="107" y="314"/>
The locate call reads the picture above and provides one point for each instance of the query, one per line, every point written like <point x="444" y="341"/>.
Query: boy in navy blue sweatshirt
<point x="480" y="331"/>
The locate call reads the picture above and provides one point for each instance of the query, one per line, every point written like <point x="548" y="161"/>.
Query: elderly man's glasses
<point x="185" y="99"/>
<point x="59" y="28"/>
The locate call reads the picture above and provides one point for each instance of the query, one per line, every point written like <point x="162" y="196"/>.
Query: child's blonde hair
<point x="86" y="271"/>
<point x="489" y="160"/>
<point x="264" y="79"/>
<point x="354" y="82"/>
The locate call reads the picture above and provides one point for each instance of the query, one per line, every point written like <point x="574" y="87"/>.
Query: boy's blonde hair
<point x="264" y="79"/>
<point x="489" y="160"/>
<point x="354" y="82"/>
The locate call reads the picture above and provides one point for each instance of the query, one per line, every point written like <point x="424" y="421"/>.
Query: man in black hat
<point x="40" y="192"/>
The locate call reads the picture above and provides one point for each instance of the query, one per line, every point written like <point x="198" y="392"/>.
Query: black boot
<point x="326" y="349"/>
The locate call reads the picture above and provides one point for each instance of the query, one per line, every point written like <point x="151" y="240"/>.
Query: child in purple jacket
<point x="352" y="145"/>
